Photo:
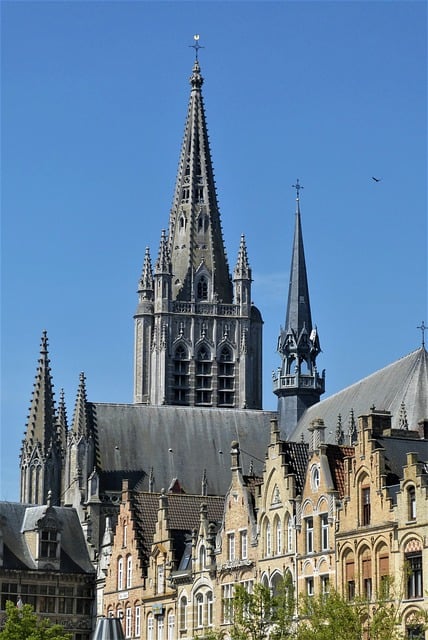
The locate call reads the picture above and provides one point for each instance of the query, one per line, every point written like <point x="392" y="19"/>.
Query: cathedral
<point x="198" y="379"/>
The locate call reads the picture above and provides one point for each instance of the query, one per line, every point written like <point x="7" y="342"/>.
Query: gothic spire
<point x="41" y="425"/>
<point x="195" y="234"/>
<point x="80" y="426"/>
<point x="297" y="384"/>
<point x="41" y="456"/>
<point x="298" y="317"/>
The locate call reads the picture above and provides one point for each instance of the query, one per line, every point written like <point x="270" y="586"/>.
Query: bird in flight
<point x="376" y="179"/>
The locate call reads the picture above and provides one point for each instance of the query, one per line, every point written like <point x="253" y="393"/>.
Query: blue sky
<point x="94" y="97"/>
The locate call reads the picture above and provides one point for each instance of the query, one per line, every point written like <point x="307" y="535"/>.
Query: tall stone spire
<point x="41" y="449"/>
<point x="195" y="233"/>
<point x="198" y="337"/>
<point x="297" y="383"/>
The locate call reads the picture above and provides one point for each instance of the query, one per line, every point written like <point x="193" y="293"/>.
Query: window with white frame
<point x="231" y="546"/>
<point x="183" y="612"/>
<point x="290" y="536"/>
<point x="161" y="578"/>
<point x="125" y="535"/>
<point x="309" y="535"/>
<point x="310" y="586"/>
<point x="244" y="544"/>
<point x="128" y="622"/>
<point x="325" y="584"/>
<point x="414" y="575"/>
<point x="278" y="536"/>
<point x="324" y="531"/>
<point x="150" y="627"/>
<point x="210" y="608"/>
<point x="171" y="625"/>
<point x="199" y="610"/>
<point x="120" y="574"/>
<point x="161" y="627"/>
<point x="128" y="572"/>
<point x="137" y="621"/>
<point x="268" y="539"/>
<point x="227" y="600"/>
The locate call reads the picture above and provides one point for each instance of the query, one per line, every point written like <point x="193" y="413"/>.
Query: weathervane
<point x="196" y="46"/>
<point x="422" y="327"/>
<point x="297" y="186"/>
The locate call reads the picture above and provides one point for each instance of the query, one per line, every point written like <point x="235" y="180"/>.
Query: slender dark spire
<point x="195" y="233"/>
<point x="298" y="317"/>
<point x="297" y="383"/>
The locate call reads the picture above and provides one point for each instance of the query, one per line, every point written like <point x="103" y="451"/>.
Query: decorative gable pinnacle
<point x="163" y="263"/>
<point x="80" y="426"/>
<point x="145" y="286"/>
<point x="242" y="268"/>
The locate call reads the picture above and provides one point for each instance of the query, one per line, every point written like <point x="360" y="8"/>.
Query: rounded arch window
<point x="315" y="477"/>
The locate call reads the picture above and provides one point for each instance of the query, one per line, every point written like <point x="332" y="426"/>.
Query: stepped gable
<point x="404" y="381"/>
<point x="177" y="442"/>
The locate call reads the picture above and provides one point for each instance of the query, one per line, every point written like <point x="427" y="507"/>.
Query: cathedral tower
<point x="198" y="338"/>
<point x="297" y="383"/>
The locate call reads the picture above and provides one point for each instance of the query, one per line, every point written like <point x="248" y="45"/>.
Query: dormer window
<point x="49" y="543"/>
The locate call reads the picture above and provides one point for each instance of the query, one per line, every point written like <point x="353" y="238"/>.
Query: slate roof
<point x="17" y="518"/>
<point x="183" y="514"/>
<point x="405" y="380"/>
<point x="336" y="455"/>
<point x="177" y="442"/>
<point x="396" y="450"/>
<point x="297" y="460"/>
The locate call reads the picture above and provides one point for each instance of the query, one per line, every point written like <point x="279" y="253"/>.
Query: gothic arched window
<point x="202" y="288"/>
<point x="226" y="378"/>
<point x="203" y="376"/>
<point x="181" y="376"/>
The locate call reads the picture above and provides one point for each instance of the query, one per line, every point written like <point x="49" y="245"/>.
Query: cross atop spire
<point x="297" y="186"/>
<point x="423" y="328"/>
<point x="196" y="46"/>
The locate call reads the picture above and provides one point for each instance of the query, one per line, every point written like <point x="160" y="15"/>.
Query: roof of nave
<point x="190" y="444"/>
<point x="402" y="384"/>
<point x="16" y="519"/>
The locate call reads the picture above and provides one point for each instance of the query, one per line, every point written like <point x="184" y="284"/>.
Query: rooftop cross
<point x="297" y="186"/>
<point x="196" y="46"/>
<point x="423" y="328"/>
